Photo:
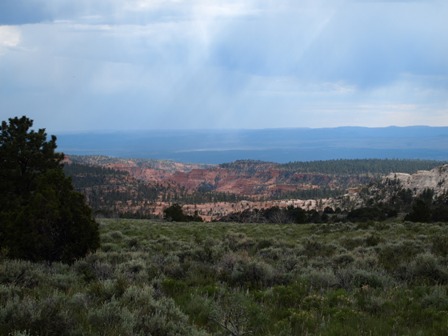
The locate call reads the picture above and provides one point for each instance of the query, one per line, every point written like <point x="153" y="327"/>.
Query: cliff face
<point x="436" y="179"/>
<point x="398" y="189"/>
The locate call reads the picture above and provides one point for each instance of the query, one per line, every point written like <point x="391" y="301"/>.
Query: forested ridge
<point x="111" y="191"/>
<point x="362" y="166"/>
<point x="87" y="175"/>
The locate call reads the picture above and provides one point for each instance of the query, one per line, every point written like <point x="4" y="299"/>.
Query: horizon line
<point x="108" y="131"/>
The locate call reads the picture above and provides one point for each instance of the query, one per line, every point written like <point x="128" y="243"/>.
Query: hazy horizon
<point x="277" y="145"/>
<point x="108" y="131"/>
<point x="238" y="64"/>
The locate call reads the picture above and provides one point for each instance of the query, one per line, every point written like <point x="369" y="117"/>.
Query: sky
<point x="84" y="65"/>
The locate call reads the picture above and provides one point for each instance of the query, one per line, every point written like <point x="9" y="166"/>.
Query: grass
<point x="237" y="279"/>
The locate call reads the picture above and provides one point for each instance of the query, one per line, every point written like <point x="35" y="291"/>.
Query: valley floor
<point x="388" y="278"/>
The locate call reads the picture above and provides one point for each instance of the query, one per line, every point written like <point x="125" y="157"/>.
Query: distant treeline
<point x="362" y="166"/>
<point x="276" y="215"/>
<point x="86" y="175"/>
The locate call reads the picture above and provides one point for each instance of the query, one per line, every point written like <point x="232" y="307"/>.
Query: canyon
<point x="143" y="187"/>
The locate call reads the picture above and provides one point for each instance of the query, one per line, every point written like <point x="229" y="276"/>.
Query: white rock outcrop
<point x="436" y="179"/>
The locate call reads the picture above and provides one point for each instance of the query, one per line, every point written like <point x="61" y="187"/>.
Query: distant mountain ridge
<point x="272" y="145"/>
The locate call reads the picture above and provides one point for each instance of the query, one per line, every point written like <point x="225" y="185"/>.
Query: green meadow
<point x="159" y="278"/>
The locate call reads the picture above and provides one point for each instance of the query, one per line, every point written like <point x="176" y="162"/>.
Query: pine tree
<point x="41" y="216"/>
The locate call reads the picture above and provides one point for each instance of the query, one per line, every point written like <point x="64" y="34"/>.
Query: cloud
<point x="365" y="44"/>
<point x="18" y="12"/>
<point x="374" y="47"/>
<point x="9" y="38"/>
<point x="223" y="64"/>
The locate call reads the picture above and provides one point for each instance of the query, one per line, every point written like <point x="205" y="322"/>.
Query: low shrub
<point x="440" y="245"/>
<point x="314" y="248"/>
<point x="351" y="278"/>
<point x="251" y="274"/>
<point x="189" y="279"/>
<point x="390" y="256"/>
<point x="21" y="273"/>
<point x="342" y="260"/>
<point x="427" y="269"/>
<point x="44" y="316"/>
<point x="321" y="279"/>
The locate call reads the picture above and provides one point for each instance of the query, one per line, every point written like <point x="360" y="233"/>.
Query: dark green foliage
<point x="403" y="199"/>
<point x="85" y="176"/>
<point x="421" y="212"/>
<point x="362" y="166"/>
<point x="299" y="216"/>
<point x="105" y="188"/>
<point x="377" y="213"/>
<point x="174" y="213"/>
<point x="440" y="245"/>
<point x="439" y="213"/>
<point x="427" y="209"/>
<point x="41" y="216"/>
<point x="205" y="187"/>
<point x="270" y="215"/>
